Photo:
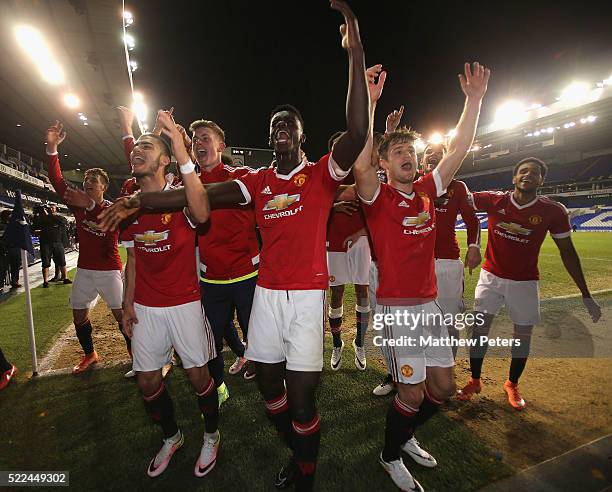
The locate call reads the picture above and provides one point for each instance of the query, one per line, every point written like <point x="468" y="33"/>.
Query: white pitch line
<point x="582" y="257"/>
<point x="569" y="296"/>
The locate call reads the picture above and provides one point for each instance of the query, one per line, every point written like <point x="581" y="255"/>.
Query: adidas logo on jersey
<point x="403" y="204"/>
<point x="266" y="191"/>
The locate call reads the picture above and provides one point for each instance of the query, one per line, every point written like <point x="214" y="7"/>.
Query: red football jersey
<point x="292" y="211"/>
<point x="516" y="232"/>
<point x="227" y="242"/>
<point x="164" y="248"/>
<point x="340" y="225"/>
<point x="454" y="201"/>
<point x="97" y="250"/>
<point x="403" y="232"/>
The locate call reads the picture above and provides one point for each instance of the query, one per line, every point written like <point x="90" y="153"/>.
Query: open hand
<point x="474" y="81"/>
<point x="123" y="208"/>
<point x="376" y="82"/>
<point x="55" y="136"/>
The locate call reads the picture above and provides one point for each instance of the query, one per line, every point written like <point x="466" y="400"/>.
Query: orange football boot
<point x="473" y="386"/>
<point x="86" y="361"/>
<point x="514" y="397"/>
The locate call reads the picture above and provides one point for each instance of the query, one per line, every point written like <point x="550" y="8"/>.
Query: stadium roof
<point x="557" y="133"/>
<point x="85" y="57"/>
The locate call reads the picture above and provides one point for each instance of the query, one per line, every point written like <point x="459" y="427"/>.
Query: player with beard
<point x="401" y="219"/>
<point x="292" y="200"/>
<point x="162" y="297"/>
<point x="99" y="265"/>
<point x="518" y="223"/>
<point x="449" y="268"/>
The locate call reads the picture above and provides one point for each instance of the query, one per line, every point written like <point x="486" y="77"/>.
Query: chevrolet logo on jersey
<point x="281" y="202"/>
<point x="514" y="228"/>
<point x="417" y="221"/>
<point x="150" y="238"/>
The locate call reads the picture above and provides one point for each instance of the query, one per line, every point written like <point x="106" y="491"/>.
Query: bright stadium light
<point x="140" y="110"/>
<point x="133" y="65"/>
<point x="128" y="18"/>
<point x="436" y="138"/>
<point x="33" y="43"/>
<point x="575" y="93"/>
<point x="591" y="118"/>
<point x="510" y="114"/>
<point x="72" y="101"/>
<point x="129" y="41"/>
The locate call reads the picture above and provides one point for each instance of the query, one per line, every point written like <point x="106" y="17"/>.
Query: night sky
<point x="232" y="61"/>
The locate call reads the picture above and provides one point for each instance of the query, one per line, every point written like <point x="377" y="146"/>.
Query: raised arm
<point x="54" y="137"/>
<point x="351" y="143"/>
<point x="474" y="86"/>
<point x="366" y="178"/>
<point x="126" y="121"/>
<point x="571" y="262"/>
<point x="195" y="192"/>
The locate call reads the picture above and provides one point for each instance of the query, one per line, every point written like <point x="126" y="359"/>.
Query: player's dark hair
<point x="543" y="167"/>
<point x="401" y="135"/>
<point x="165" y="146"/>
<point x="290" y="109"/>
<point x="96" y="171"/>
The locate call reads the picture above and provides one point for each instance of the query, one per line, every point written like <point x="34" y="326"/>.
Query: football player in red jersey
<point x="162" y="297"/>
<point x="292" y="199"/>
<point x="449" y="268"/>
<point x="228" y="255"/>
<point x="99" y="265"/>
<point x="401" y="220"/>
<point x="518" y="223"/>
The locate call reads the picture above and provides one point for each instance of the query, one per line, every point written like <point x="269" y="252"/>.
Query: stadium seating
<point x="585" y="219"/>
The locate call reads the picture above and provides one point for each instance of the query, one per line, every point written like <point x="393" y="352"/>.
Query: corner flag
<point x="17" y="233"/>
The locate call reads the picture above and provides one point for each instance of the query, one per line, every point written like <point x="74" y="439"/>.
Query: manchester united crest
<point x="299" y="180"/>
<point x="166" y="218"/>
<point x="407" y="371"/>
<point x="535" y="219"/>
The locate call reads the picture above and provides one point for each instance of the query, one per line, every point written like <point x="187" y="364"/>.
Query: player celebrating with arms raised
<point x="518" y="223"/>
<point x="292" y="199"/>
<point x="401" y="220"/>
<point x="99" y="264"/>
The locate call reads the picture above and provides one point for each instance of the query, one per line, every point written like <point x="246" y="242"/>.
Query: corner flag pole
<point x="26" y="283"/>
<point x="17" y="234"/>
